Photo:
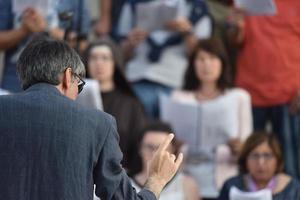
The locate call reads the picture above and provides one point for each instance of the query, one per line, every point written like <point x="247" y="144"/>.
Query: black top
<point x="291" y="191"/>
<point x="130" y="118"/>
<point x="53" y="148"/>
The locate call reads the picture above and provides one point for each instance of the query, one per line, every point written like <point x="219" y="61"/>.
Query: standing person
<point x="268" y="68"/>
<point x="53" y="148"/>
<point x="225" y="115"/>
<point x="103" y="63"/>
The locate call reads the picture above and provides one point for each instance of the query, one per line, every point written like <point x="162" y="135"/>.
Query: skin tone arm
<point x="32" y="22"/>
<point x="236" y="32"/>
<point x="103" y="25"/>
<point x="184" y="26"/>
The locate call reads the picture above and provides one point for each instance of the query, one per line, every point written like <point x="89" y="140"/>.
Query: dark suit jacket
<point x="51" y="148"/>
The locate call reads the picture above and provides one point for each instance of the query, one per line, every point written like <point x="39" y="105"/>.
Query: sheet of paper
<point x="257" y="7"/>
<point x="154" y="14"/>
<point x="236" y="194"/>
<point x="90" y="96"/>
<point x="19" y="6"/>
<point x="183" y="119"/>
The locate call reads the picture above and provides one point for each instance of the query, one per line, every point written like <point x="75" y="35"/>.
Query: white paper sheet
<point x="90" y="96"/>
<point x="154" y="14"/>
<point x="183" y="118"/>
<point x="19" y="6"/>
<point x="257" y="7"/>
<point x="236" y="194"/>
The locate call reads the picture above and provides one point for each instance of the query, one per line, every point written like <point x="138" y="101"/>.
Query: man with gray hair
<point x="52" y="148"/>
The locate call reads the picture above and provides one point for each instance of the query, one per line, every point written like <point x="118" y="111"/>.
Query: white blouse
<point x="226" y="117"/>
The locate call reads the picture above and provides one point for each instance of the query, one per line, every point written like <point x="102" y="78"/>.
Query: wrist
<point x="155" y="185"/>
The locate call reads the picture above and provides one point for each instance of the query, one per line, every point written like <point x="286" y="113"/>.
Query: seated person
<point x="181" y="187"/>
<point x="261" y="165"/>
<point x="104" y="65"/>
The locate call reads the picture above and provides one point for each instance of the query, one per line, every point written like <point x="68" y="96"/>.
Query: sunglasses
<point x="81" y="83"/>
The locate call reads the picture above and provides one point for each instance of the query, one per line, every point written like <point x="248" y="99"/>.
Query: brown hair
<point x="213" y="46"/>
<point x="256" y="139"/>
<point x="119" y="77"/>
<point x="136" y="164"/>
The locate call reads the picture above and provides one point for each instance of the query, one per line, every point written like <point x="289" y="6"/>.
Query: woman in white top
<point x="225" y="120"/>
<point x="181" y="187"/>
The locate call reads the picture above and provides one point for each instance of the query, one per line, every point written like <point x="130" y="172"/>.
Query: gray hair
<point x="45" y="60"/>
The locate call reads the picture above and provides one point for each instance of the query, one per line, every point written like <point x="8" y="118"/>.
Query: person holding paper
<point x="224" y="119"/>
<point x="157" y="58"/>
<point x="261" y="166"/>
<point x="19" y="24"/>
<point x="268" y="68"/>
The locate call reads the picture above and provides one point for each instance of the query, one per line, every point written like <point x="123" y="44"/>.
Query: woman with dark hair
<point x="261" y="166"/>
<point x="104" y="64"/>
<point x="181" y="187"/>
<point x="225" y="114"/>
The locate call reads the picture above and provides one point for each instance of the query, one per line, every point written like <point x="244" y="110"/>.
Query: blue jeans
<point x="287" y="129"/>
<point x="148" y="93"/>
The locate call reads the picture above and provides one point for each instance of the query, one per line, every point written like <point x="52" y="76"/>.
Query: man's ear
<point x="67" y="79"/>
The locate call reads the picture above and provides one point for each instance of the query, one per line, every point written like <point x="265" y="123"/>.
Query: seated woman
<point x="261" y="165"/>
<point x="104" y="65"/>
<point x="181" y="187"/>
<point x="224" y="119"/>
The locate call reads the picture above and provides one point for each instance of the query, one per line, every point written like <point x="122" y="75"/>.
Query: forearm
<point x="57" y="33"/>
<point x="105" y="9"/>
<point x="190" y="41"/>
<point x="11" y="38"/>
<point x="154" y="185"/>
<point x="236" y="35"/>
<point x="126" y="191"/>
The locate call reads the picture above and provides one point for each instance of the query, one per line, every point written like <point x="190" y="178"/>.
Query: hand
<point x="235" y="145"/>
<point x="136" y="36"/>
<point x="102" y="27"/>
<point x="236" y="17"/>
<point x="295" y="104"/>
<point x="33" y="21"/>
<point x="181" y="25"/>
<point x="162" y="167"/>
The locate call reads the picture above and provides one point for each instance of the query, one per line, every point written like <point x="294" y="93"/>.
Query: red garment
<point x="269" y="60"/>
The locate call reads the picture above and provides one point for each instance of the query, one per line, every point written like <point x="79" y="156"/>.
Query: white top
<point x="170" y="69"/>
<point x="173" y="191"/>
<point x="229" y="114"/>
<point x="216" y="121"/>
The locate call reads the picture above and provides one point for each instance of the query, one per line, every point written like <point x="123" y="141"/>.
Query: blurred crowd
<point x="231" y="76"/>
